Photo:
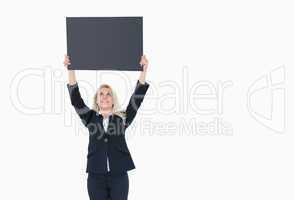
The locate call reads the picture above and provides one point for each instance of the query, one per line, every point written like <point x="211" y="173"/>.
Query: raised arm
<point x="144" y="63"/>
<point x="75" y="97"/>
<point x="71" y="73"/>
<point x="139" y="93"/>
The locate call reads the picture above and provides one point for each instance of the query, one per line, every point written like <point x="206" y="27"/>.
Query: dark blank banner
<point x="105" y="43"/>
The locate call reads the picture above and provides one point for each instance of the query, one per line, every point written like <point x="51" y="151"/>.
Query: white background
<point x="43" y="144"/>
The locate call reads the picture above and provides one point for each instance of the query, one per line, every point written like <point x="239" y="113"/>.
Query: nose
<point x="104" y="97"/>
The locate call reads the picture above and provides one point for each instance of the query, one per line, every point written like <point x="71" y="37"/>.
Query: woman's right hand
<point x="66" y="61"/>
<point x="71" y="73"/>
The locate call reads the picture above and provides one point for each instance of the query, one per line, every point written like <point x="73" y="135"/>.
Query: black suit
<point x="111" y="143"/>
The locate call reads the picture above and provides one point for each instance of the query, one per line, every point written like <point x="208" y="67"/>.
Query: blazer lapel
<point x="100" y="124"/>
<point x="109" y="124"/>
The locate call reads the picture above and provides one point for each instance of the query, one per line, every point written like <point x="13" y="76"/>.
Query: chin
<point x="106" y="107"/>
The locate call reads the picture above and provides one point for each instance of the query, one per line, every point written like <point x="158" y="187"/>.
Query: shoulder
<point x="92" y="112"/>
<point x="120" y="115"/>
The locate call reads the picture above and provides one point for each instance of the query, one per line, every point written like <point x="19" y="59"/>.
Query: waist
<point x="110" y="173"/>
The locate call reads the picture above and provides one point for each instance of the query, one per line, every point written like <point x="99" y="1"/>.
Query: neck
<point x="105" y="112"/>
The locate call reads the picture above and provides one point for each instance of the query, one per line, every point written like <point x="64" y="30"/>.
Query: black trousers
<point x="108" y="186"/>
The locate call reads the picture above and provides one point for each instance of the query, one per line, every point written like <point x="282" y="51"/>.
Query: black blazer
<point x="112" y="143"/>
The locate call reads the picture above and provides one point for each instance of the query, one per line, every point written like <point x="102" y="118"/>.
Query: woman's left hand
<point x="144" y="63"/>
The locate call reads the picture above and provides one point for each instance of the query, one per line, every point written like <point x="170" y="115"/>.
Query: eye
<point x="109" y="94"/>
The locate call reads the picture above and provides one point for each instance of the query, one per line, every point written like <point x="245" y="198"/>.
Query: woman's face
<point x="105" y="99"/>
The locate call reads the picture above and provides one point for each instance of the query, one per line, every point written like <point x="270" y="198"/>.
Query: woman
<point x="108" y="158"/>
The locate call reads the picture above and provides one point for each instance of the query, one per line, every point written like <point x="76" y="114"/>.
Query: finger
<point x="66" y="63"/>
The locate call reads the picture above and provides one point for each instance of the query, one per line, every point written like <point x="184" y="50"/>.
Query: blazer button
<point x="105" y="140"/>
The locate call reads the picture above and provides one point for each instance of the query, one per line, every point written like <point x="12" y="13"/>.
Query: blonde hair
<point x="115" y="107"/>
